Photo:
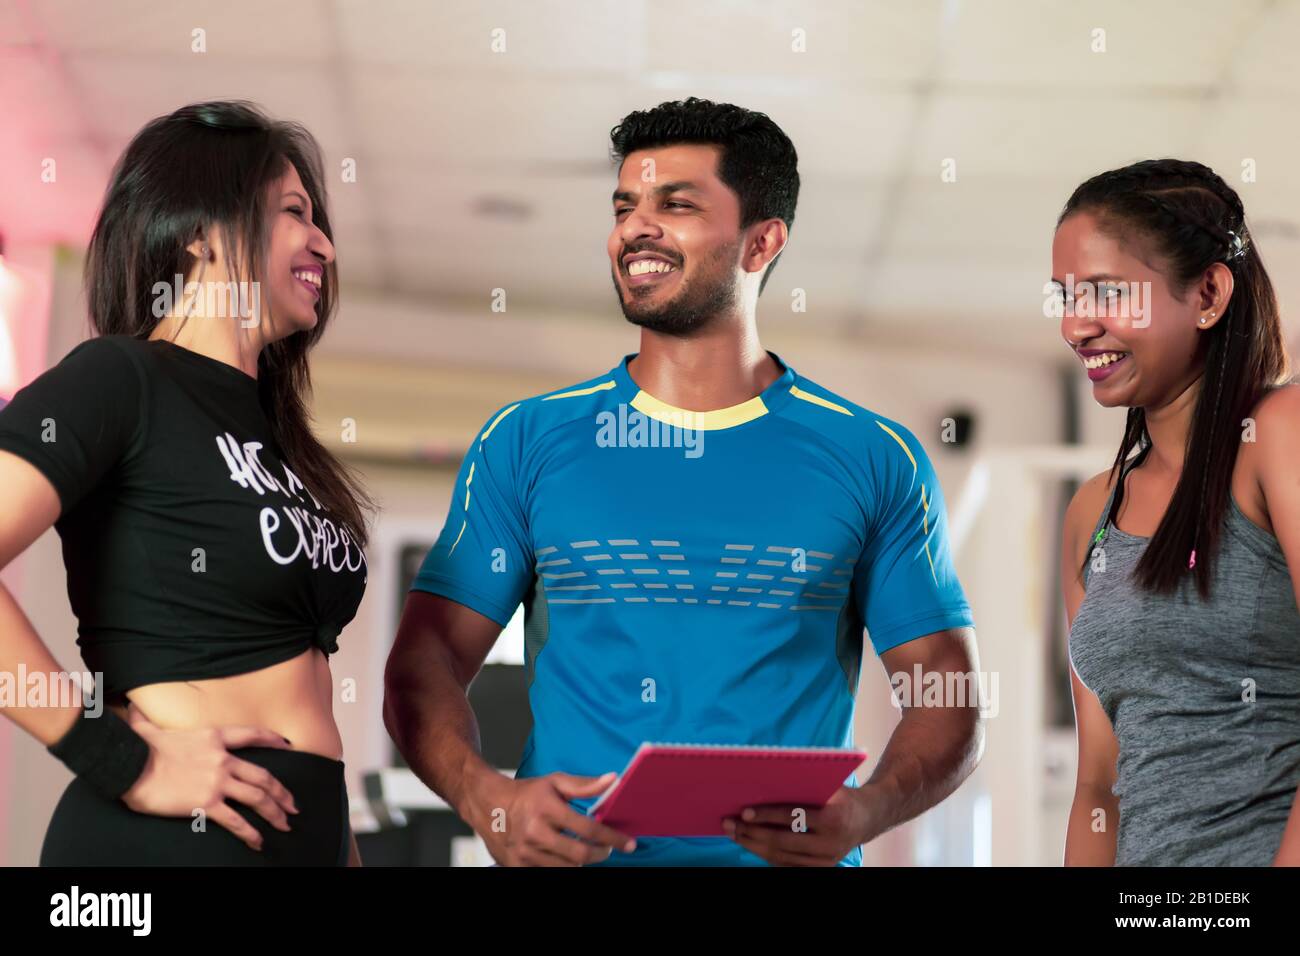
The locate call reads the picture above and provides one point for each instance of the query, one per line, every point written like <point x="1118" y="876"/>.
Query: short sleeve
<point x="79" y="420"/>
<point x="904" y="582"/>
<point x="482" y="558"/>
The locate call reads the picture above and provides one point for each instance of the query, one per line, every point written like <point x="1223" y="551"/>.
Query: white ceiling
<point x="441" y="126"/>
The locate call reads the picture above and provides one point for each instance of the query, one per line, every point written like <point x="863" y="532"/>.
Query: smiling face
<point x="297" y="253"/>
<point x="675" y="248"/>
<point x="1137" y="341"/>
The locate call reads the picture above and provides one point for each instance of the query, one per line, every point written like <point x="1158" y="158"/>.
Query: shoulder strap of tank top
<point x="1102" y="518"/>
<point x="1103" y="522"/>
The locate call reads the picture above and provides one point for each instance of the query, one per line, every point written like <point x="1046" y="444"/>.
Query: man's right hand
<point x="529" y="822"/>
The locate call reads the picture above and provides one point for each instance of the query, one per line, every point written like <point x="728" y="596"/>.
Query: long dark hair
<point x="207" y="166"/>
<point x="1190" y="218"/>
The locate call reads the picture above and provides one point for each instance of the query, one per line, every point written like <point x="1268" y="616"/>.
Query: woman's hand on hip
<point x="192" y="772"/>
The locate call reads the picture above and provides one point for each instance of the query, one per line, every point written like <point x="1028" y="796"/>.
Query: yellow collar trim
<point x="648" y="405"/>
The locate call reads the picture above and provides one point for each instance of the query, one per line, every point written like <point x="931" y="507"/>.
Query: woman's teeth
<point x="307" y="275"/>
<point x="641" y="266"/>
<point x="1100" y="361"/>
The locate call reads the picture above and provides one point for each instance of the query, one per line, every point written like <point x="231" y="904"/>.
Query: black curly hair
<point x="758" y="162"/>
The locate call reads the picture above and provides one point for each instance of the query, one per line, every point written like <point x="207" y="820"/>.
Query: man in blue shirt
<point x="699" y="537"/>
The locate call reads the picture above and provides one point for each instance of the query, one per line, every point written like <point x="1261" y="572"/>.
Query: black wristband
<point x="104" y="751"/>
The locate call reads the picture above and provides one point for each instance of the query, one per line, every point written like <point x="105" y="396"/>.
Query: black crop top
<point x="192" y="551"/>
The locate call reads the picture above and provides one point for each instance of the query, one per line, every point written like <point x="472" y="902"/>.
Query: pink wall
<point x="25" y="284"/>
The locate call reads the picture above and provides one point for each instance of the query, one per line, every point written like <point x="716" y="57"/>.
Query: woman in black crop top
<point x="214" y="548"/>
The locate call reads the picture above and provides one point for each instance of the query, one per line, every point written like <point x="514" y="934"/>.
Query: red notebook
<point x="687" y="790"/>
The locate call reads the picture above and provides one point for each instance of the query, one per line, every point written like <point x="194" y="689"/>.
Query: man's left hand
<point x="787" y="835"/>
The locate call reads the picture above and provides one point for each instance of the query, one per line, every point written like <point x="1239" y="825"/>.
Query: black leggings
<point x="90" y="830"/>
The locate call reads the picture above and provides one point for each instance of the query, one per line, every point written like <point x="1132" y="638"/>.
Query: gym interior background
<point x="938" y="141"/>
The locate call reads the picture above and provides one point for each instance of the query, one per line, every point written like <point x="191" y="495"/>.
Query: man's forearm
<point x="435" y="730"/>
<point x="928" y="756"/>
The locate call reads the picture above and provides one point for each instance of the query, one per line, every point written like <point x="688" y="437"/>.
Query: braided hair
<point x="1190" y="219"/>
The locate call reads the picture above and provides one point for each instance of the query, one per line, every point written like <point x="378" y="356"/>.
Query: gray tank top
<point x="1204" y="698"/>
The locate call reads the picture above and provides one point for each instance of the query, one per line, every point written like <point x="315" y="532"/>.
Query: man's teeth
<point x="307" y="275"/>
<point x="1099" y="361"/>
<point x="641" y="266"/>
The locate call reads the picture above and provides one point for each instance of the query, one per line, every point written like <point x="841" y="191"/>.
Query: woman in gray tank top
<point x="1185" y="634"/>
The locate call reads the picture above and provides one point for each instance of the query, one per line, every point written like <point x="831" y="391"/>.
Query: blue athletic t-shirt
<point x="695" y="577"/>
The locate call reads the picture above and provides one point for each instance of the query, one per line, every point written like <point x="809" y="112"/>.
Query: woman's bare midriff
<point x="294" y="699"/>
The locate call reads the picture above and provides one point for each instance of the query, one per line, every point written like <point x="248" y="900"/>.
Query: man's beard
<point x="712" y="291"/>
